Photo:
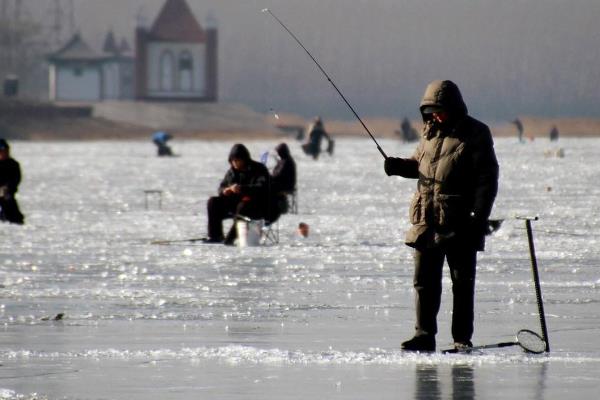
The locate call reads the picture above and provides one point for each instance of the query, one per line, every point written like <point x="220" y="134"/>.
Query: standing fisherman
<point x="517" y="122"/>
<point x="316" y="133"/>
<point x="407" y="132"/>
<point x="10" y="177"/>
<point x="457" y="173"/>
<point x="553" y="133"/>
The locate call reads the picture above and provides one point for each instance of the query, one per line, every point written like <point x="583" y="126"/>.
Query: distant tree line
<point x="24" y="44"/>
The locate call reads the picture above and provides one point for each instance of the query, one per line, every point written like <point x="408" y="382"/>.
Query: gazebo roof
<point x="76" y="49"/>
<point x="176" y="23"/>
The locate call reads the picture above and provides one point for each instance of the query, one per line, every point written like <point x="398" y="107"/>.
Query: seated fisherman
<point x="244" y="191"/>
<point x="160" y="139"/>
<point x="283" y="178"/>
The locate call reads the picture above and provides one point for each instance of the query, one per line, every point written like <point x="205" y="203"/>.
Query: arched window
<point x="166" y="71"/>
<point x="186" y="71"/>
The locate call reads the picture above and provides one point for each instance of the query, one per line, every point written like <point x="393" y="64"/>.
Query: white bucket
<point x="249" y="233"/>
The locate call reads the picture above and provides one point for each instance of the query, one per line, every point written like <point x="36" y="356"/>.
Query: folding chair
<point x="293" y="201"/>
<point x="270" y="232"/>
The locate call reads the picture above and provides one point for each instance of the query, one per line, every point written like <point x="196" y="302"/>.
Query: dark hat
<point x="283" y="150"/>
<point x="432" y="109"/>
<point x="4" y="144"/>
<point x="239" y="151"/>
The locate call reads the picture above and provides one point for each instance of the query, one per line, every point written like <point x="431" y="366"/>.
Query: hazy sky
<point x="509" y="57"/>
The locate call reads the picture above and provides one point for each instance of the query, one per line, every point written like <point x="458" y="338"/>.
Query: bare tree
<point x="22" y="46"/>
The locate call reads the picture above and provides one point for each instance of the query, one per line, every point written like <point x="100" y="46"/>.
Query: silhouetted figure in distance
<point x="10" y="177"/>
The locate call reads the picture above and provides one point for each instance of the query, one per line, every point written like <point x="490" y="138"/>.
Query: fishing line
<point x="574" y="234"/>
<point x="190" y="240"/>
<point x="496" y="224"/>
<point x="266" y="10"/>
<point x="267" y="88"/>
<point x="41" y="374"/>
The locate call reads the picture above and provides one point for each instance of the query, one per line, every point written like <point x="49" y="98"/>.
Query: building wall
<point x="176" y="70"/>
<point x="141" y="63"/>
<point x="77" y="82"/>
<point x="110" y="81"/>
<point x="117" y="79"/>
<point x="212" y="67"/>
<point x="127" y="77"/>
<point x="52" y="82"/>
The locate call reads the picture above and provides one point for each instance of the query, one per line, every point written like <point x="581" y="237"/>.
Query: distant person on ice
<point x="10" y="177"/>
<point x="283" y="178"/>
<point x="517" y="122"/>
<point x="160" y="139"/>
<point x="553" y="133"/>
<point x="457" y="173"/>
<point x="407" y="132"/>
<point x="244" y="191"/>
<point x="316" y="134"/>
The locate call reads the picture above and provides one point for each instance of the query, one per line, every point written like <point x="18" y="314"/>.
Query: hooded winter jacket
<point x="283" y="178"/>
<point x="10" y="175"/>
<point x="316" y="134"/>
<point x="253" y="180"/>
<point x="457" y="173"/>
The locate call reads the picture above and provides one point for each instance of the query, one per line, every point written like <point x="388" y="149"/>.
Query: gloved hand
<point x="393" y="165"/>
<point x="5" y="193"/>
<point x="493" y="225"/>
<point x="478" y="226"/>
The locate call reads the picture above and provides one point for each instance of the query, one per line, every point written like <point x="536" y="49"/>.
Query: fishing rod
<point x="190" y="240"/>
<point x="266" y="10"/>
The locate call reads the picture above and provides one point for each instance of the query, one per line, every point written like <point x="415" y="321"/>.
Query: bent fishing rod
<point x="266" y="10"/>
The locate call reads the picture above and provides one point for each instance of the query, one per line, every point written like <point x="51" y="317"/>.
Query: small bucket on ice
<point x="249" y="233"/>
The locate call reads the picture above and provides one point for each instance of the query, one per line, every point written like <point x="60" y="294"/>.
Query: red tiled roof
<point x="176" y="23"/>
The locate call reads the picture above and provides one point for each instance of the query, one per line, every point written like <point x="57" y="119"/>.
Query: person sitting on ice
<point x="10" y="177"/>
<point x="243" y="192"/>
<point x="160" y="139"/>
<point x="316" y="134"/>
<point x="283" y="178"/>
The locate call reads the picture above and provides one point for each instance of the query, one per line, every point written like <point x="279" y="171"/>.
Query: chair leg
<point x="293" y="203"/>
<point x="271" y="233"/>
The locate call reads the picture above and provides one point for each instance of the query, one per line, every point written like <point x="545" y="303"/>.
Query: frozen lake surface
<point x="314" y="318"/>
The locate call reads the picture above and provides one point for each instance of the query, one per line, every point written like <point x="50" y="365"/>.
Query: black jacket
<point x="254" y="180"/>
<point x="10" y="174"/>
<point x="283" y="178"/>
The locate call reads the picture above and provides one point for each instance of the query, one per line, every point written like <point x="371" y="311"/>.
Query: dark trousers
<point x="223" y="207"/>
<point x="164" y="150"/>
<point x="428" y="289"/>
<point x="9" y="211"/>
<point x="312" y="149"/>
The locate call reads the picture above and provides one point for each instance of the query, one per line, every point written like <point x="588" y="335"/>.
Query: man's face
<point x="440" y="116"/>
<point x="4" y="154"/>
<point x="238" y="164"/>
